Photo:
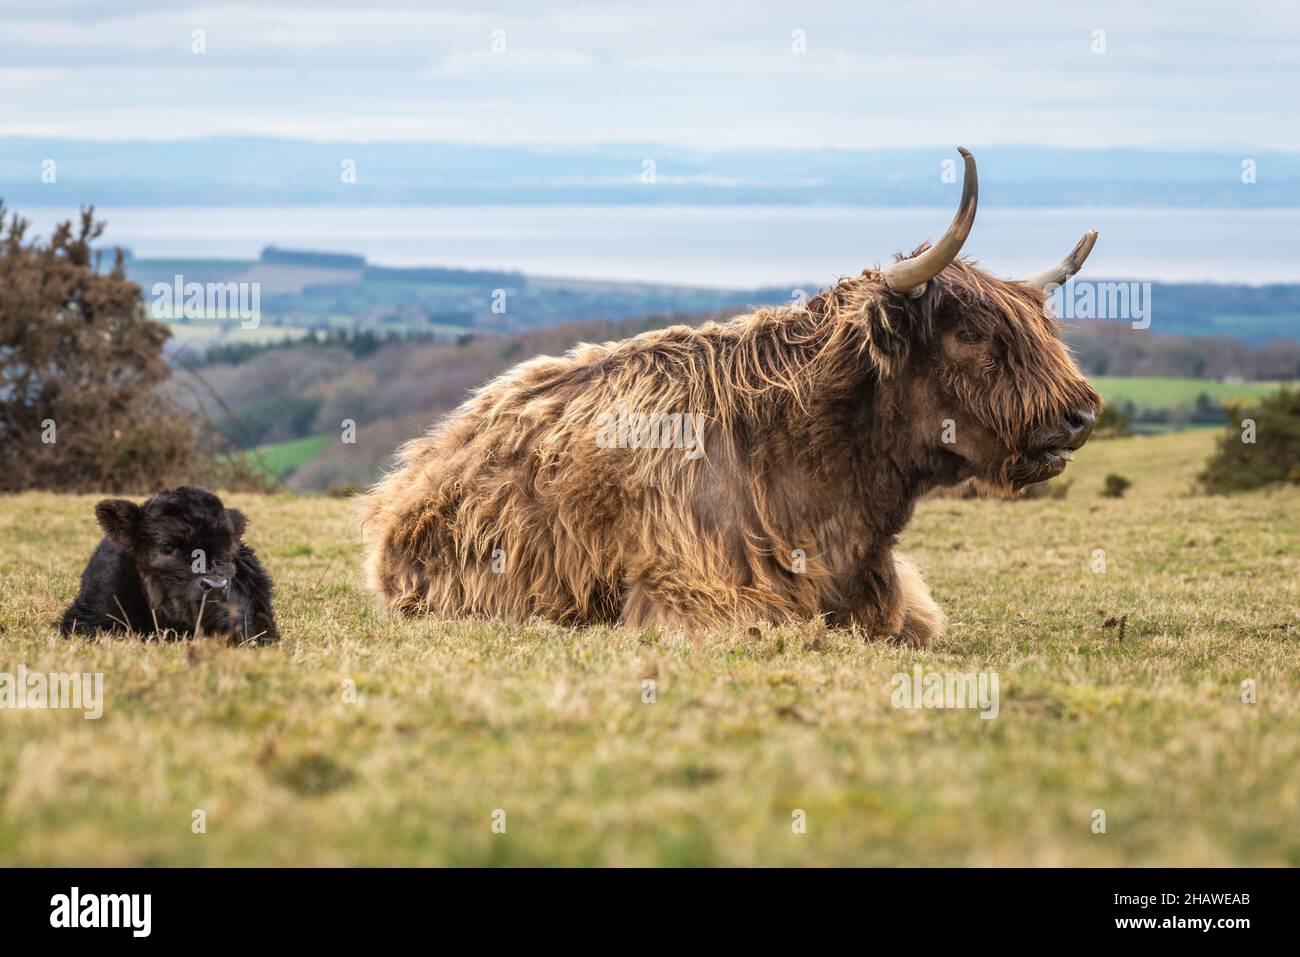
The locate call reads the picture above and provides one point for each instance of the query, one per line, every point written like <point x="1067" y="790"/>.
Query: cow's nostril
<point x="213" y="584"/>
<point x="1078" y="425"/>
<point x="1080" y="419"/>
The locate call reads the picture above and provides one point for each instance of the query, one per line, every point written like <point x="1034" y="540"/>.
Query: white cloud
<point x="678" y="72"/>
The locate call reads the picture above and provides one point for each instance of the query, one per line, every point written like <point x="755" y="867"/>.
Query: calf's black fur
<point x="174" y="564"/>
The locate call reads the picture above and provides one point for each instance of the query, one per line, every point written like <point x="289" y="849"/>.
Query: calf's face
<point x="183" y="543"/>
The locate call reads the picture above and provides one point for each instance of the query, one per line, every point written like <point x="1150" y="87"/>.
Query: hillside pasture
<point x="1123" y="632"/>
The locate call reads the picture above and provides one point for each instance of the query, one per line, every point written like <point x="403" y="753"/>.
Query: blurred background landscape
<point x="423" y="198"/>
<point x="353" y="326"/>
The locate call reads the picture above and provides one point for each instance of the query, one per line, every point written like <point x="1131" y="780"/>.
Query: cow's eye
<point x="168" y="550"/>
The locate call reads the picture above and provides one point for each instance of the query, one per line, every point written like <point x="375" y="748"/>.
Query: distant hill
<point x="291" y="257"/>
<point x="304" y="291"/>
<point x="285" y="172"/>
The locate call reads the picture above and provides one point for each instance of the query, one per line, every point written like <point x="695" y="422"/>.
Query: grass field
<point x="1143" y="720"/>
<point x="277" y="460"/>
<point x="1157" y="392"/>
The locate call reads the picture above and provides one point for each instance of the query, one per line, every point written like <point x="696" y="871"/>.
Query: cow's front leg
<point x="687" y="598"/>
<point x="923" y="619"/>
<point x="891" y="601"/>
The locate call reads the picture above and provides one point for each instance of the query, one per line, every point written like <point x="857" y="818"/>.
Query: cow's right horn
<point x="911" y="275"/>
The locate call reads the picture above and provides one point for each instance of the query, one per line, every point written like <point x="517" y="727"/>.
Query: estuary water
<point x="729" y="246"/>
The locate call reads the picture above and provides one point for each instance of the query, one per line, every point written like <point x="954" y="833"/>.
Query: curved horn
<point x="1067" y="267"/>
<point x="911" y="275"/>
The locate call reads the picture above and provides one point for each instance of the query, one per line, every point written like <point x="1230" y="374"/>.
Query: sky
<point x="1188" y="75"/>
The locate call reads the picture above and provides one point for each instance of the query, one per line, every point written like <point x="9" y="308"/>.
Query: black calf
<point x="174" y="564"/>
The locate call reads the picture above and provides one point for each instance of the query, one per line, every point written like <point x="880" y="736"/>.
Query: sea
<point x="718" y="246"/>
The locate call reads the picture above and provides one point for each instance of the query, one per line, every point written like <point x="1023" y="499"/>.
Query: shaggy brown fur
<point x="823" y="424"/>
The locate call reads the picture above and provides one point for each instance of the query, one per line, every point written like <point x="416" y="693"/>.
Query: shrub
<point x="1116" y="486"/>
<point x="1261" y="445"/>
<point x="80" y="366"/>
<point x="1113" y="422"/>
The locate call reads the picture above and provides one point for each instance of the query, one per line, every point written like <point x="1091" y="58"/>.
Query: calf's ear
<point x="237" y="521"/>
<point x="120" y="520"/>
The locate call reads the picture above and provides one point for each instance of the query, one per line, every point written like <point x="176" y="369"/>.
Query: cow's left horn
<point x="1067" y="267"/>
<point x="911" y="275"/>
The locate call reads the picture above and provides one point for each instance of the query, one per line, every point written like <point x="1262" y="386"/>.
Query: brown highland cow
<point x="758" y="469"/>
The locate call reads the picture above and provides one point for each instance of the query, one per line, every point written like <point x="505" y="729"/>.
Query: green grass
<point x="279" y="459"/>
<point x="457" y="719"/>
<point x="1281" y="325"/>
<point x="1155" y="392"/>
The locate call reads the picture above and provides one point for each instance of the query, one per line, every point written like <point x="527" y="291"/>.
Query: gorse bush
<point x="1261" y="445"/>
<point x="1113" y="423"/>
<point x="80" y="364"/>
<point x="1115" y="486"/>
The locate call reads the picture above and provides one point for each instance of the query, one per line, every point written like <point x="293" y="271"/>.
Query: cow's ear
<point x="237" y="521"/>
<point x="885" y="339"/>
<point x="120" y="520"/>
